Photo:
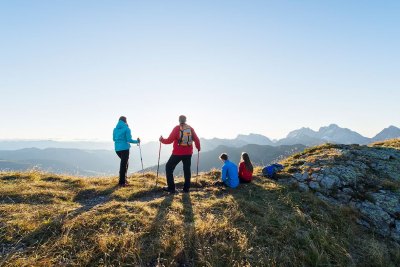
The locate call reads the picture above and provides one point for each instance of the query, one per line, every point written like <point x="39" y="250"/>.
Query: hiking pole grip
<point x="158" y="164"/>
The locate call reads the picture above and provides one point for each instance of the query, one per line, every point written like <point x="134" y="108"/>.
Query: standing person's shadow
<point x="154" y="234"/>
<point x="155" y="253"/>
<point x="189" y="250"/>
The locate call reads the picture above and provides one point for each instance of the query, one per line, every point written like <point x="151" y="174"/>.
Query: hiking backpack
<point x="185" y="138"/>
<point x="271" y="170"/>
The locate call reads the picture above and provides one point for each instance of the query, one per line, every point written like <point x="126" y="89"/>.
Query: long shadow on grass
<point x="144" y="195"/>
<point x="257" y="217"/>
<point x="34" y="197"/>
<point x="271" y="218"/>
<point x="67" y="182"/>
<point x="188" y="257"/>
<point x="42" y="198"/>
<point x="260" y="204"/>
<point x="88" y="198"/>
<point x="151" y="240"/>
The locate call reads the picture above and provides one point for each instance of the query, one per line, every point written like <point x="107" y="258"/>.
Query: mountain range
<point x="61" y="160"/>
<point x="304" y="136"/>
<point x="98" y="158"/>
<point x="330" y="134"/>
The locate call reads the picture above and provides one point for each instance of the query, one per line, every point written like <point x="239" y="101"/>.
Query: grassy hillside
<point x="392" y="143"/>
<point x="50" y="220"/>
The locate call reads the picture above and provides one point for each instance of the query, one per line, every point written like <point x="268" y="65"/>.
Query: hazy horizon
<point x="69" y="69"/>
<point x="148" y="141"/>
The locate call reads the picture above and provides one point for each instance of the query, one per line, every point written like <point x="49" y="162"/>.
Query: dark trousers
<point x="243" y="181"/>
<point x="123" y="167"/>
<point x="170" y="167"/>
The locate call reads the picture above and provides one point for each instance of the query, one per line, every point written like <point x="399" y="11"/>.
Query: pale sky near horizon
<point x="69" y="69"/>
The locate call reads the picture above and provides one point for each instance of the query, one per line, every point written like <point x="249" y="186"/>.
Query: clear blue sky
<point x="69" y="69"/>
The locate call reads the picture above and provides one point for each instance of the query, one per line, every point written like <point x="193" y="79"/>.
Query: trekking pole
<point x="141" y="159"/>
<point x="198" y="159"/>
<point x="158" y="165"/>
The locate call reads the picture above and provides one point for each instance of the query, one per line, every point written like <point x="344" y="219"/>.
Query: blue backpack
<point x="271" y="170"/>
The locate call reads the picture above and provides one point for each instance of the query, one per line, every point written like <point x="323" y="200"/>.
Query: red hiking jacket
<point x="181" y="150"/>
<point x="244" y="173"/>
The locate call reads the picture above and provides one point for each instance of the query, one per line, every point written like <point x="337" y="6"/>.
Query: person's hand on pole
<point x="161" y="138"/>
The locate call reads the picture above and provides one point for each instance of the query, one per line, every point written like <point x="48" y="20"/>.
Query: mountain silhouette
<point x="334" y="134"/>
<point x="388" y="133"/>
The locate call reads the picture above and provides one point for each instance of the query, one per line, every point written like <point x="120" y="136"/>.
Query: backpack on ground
<point x="271" y="170"/>
<point x="185" y="138"/>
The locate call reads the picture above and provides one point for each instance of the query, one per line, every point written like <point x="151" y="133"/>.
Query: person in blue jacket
<point x="122" y="138"/>
<point x="229" y="172"/>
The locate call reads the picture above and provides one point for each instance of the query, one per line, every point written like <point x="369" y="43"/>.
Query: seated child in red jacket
<point x="245" y="169"/>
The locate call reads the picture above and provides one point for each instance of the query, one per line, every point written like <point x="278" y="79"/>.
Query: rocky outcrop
<point x="364" y="178"/>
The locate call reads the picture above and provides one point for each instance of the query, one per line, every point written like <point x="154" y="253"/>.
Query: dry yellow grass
<point x="50" y="220"/>
<point x="392" y="143"/>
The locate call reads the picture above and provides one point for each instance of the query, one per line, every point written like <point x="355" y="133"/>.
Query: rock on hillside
<point x="364" y="178"/>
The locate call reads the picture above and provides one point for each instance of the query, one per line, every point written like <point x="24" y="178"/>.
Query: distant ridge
<point x="255" y="139"/>
<point x="388" y="133"/>
<point x="98" y="158"/>
<point x="304" y="136"/>
<point x="329" y="134"/>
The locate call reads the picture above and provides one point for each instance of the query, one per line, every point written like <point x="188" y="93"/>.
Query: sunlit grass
<point x="392" y="143"/>
<point x="50" y="220"/>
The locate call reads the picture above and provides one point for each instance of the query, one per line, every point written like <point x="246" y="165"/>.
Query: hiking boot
<point x="184" y="190"/>
<point x="168" y="190"/>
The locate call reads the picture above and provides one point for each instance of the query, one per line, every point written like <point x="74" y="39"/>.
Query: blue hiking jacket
<point x="122" y="136"/>
<point x="230" y="174"/>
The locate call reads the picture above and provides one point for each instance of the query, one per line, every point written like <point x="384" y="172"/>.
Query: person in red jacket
<point x="183" y="137"/>
<point x="245" y="169"/>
